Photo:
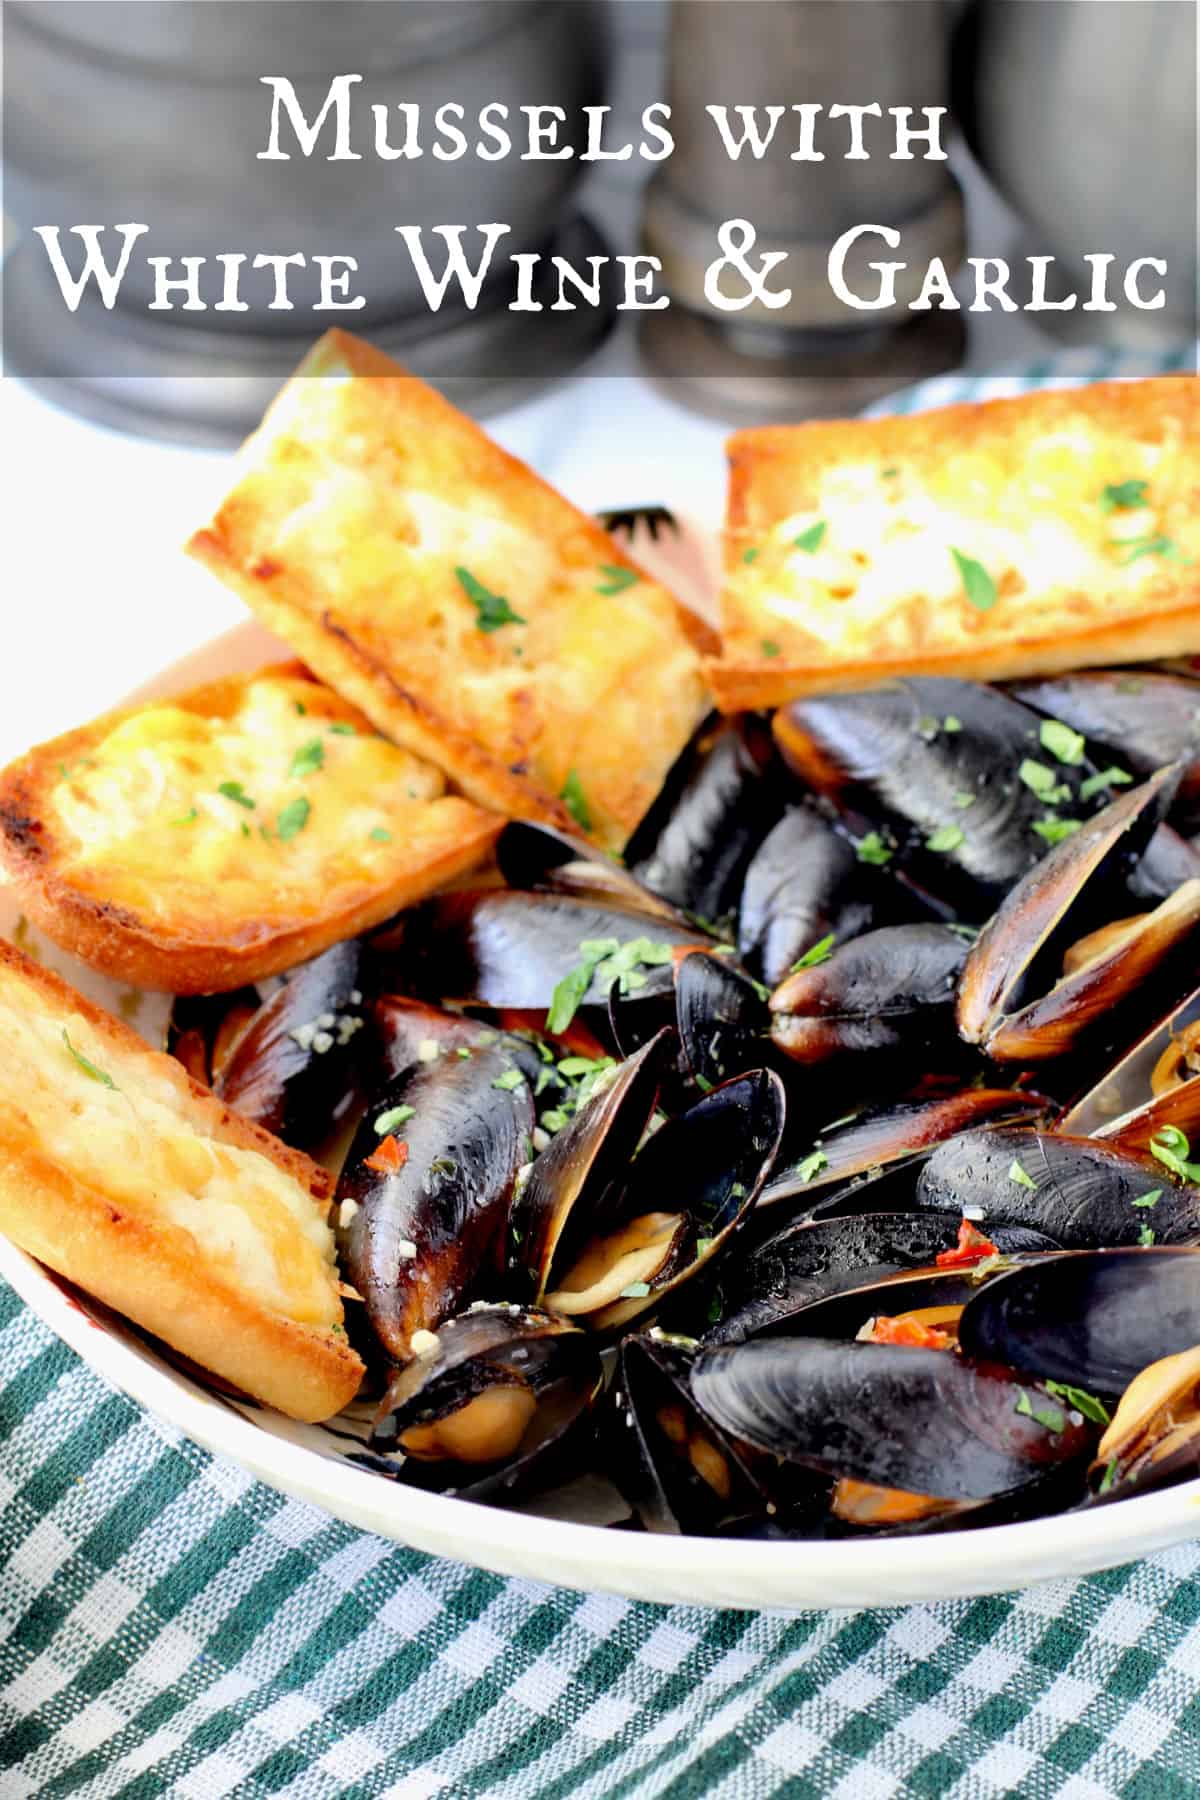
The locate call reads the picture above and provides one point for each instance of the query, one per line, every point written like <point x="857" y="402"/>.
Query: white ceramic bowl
<point x="311" y="1461"/>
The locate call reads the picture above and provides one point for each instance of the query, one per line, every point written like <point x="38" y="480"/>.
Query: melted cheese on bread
<point x="1021" y="536"/>
<point x="118" y="1122"/>
<point x="467" y="608"/>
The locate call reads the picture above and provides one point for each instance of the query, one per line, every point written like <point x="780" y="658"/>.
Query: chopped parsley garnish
<point x="1123" y="496"/>
<point x="1020" y="1176"/>
<point x="510" y="1081"/>
<point x="1042" y="781"/>
<point x="751" y="555"/>
<point x="608" y="961"/>
<point x="872" y="849"/>
<point x="950" y="723"/>
<point x="395" y="1115"/>
<point x="704" y="1245"/>
<point x="1053" y="830"/>
<point x="821" y="951"/>
<point x="1110" y="1475"/>
<point x="702" y="1082"/>
<point x="300" y="707"/>
<point x="464" y="1053"/>
<point x="962" y="799"/>
<point x="811" y="1165"/>
<point x="1081" y="1402"/>
<point x="978" y="585"/>
<point x="343" y="728"/>
<point x="769" y="647"/>
<point x="187" y="818"/>
<point x="89" y="1068"/>
<point x="245" y="829"/>
<point x="890" y="473"/>
<point x="308" y="759"/>
<point x="292" y="819"/>
<point x="637" y="1290"/>
<point x="616" y="579"/>
<point x="811" y="539"/>
<point x="1170" y="1147"/>
<point x="1165" y="547"/>
<point x="575" y="1067"/>
<point x="1064" y="745"/>
<point x="575" y="801"/>
<point x="1051" y="1417"/>
<point x="1147" y="1200"/>
<point x="493" y="610"/>
<point x="380" y="836"/>
<point x="1106" y="778"/>
<point x="1145" y="1237"/>
<point x="233" y="790"/>
<point x="947" y="837"/>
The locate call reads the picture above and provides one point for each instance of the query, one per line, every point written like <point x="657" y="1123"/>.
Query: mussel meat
<point x="1153" y="1439"/>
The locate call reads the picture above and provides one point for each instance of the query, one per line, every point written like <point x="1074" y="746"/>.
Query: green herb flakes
<point x="872" y="849"/>
<point x="553" y="1121"/>
<point x="1081" y="1402"/>
<point x="575" y="801"/>
<point x="821" y="951"/>
<point x="300" y="708"/>
<point x="1064" y="745"/>
<point x="89" y="1068"/>
<point x="1144" y="1201"/>
<point x="1110" y="1475"/>
<point x="233" y="790"/>
<point x="1052" y="1418"/>
<point x="1170" y="1147"/>
<point x="1052" y="830"/>
<point x="1106" y="778"/>
<point x="813" y="538"/>
<point x="607" y="961"/>
<point x="751" y="555"/>
<point x="962" y="799"/>
<point x="380" y="836"/>
<point x="978" y="585"/>
<point x="1042" y="781"/>
<point x="343" y="728"/>
<point x="1146" y="1237"/>
<point x="1021" y="1177"/>
<point x="702" y="1082"/>
<point x="704" y="1245"/>
<point x="510" y="1081"/>
<point x="637" y="1290"/>
<point x="1165" y="547"/>
<point x="187" y="818"/>
<point x="308" y="759"/>
<point x="950" y="723"/>
<point x="616" y="578"/>
<point x="395" y="1115"/>
<point x="769" y="647"/>
<point x="811" y="1165"/>
<point x="292" y="819"/>
<point x="492" y="610"/>
<point x="946" y="838"/>
<point x="1123" y="496"/>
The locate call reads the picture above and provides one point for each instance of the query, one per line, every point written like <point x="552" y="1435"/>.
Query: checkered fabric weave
<point x="168" y="1626"/>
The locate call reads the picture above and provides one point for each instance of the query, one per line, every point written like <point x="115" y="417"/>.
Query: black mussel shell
<point x="879" y="1141"/>
<point x="203" y="1029"/>
<point x="686" y="1193"/>
<point x="1082" y="1192"/>
<point x="408" y="1034"/>
<point x="501" y="947"/>
<point x="925" y="1421"/>
<point x="940" y="760"/>
<point x="1093" y="1319"/>
<point x="887" y="991"/>
<point x="1139" y="717"/>
<point x="721" y="1017"/>
<point x="294" y="1068"/>
<point x="422" y="1230"/>
<point x="804" y="885"/>
<point x="489" y="1406"/>
<point x="677" y="1470"/>
<point x="1013" y="998"/>
<point x="555" y="1205"/>
<point x="530" y="855"/>
<point x="717" y="805"/>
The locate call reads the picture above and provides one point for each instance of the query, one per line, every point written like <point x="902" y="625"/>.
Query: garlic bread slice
<point x="135" y="1183"/>
<point x="202" y="842"/>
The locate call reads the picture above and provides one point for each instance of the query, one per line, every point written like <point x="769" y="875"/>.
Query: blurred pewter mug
<point x="1083" y="112"/>
<point x="157" y="111"/>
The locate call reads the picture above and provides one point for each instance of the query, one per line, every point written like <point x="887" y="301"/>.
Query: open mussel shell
<point x="488" y="1407"/>
<point x="894" y="1138"/>
<point x="686" y="1193"/>
<point x="935" y="756"/>
<point x="504" y="948"/>
<point x="1082" y="1192"/>
<point x="557" y="1201"/>
<point x="1153" y="1439"/>
<point x="1156" y="1083"/>
<point x="1093" y="1319"/>
<point x="925" y="1421"/>
<point x="423" y="1198"/>
<point x="1141" y="718"/>
<point x="1014" y="998"/>
<point x="677" y="1469"/>
<point x="805" y="1264"/>
<point x="531" y="855"/>
<point x="804" y="884"/>
<point x="889" y="990"/>
<point x="717" y="805"/>
<point x="930" y="1296"/>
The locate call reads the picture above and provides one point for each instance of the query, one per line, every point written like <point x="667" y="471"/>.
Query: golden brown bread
<point x="125" y="1176"/>
<point x="224" y="835"/>
<point x="1080" y="508"/>
<point x="385" y="537"/>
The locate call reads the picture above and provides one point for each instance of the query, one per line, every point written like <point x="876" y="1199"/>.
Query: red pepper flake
<point x="972" y="1247"/>
<point x="388" y="1158"/>
<point x="904" y="1329"/>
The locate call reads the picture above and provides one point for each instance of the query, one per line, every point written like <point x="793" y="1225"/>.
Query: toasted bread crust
<point x="148" y="1268"/>
<point x="188" y="946"/>
<point x="394" y="630"/>
<point x="985" y="474"/>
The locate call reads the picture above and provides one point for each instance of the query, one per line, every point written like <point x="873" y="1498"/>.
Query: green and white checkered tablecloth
<point x="168" y="1626"/>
